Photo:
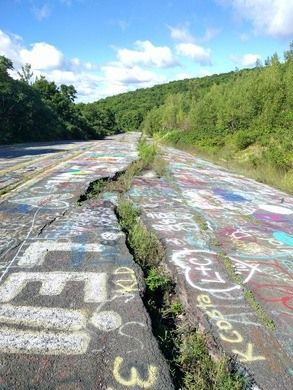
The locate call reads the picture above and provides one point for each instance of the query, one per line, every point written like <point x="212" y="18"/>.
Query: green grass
<point x="201" y="371"/>
<point x="147" y="249"/>
<point x="201" y="222"/>
<point x="147" y="151"/>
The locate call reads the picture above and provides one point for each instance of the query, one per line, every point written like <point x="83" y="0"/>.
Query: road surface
<point x="71" y="314"/>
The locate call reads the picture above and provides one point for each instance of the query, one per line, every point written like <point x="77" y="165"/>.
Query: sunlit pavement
<point x="204" y="214"/>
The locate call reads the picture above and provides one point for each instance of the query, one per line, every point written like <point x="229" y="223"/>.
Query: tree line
<point x="243" y="116"/>
<point x="42" y="111"/>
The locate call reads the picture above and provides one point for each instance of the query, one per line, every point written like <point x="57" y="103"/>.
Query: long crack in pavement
<point x="249" y="222"/>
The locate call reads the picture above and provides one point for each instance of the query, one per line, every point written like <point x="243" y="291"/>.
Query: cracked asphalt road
<point x="71" y="314"/>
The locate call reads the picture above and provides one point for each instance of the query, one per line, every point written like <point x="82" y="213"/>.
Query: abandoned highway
<point x="72" y="315"/>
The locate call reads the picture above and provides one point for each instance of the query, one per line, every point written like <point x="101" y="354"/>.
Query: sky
<point x="106" y="47"/>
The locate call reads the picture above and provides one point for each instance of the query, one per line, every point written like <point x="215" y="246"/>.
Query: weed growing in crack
<point x="146" y="247"/>
<point x="201" y="372"/>
<point x="147" y="151"/>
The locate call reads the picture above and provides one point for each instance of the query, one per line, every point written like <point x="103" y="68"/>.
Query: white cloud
<point x="42" y="56"/>
<point x="246" y="60"/>
<point x="50" y="62"/>
<point x="120" y="73"/>
<point x="269" y="17"/>
<point x="244" y="37"/>
<point x="181" y="34"/>
<point x="195" y="52"/>
<point x="147" y="54"/>
<point x="10" y="46"/>
<point x="91" y="82"/>
<point x="41" y="12"/>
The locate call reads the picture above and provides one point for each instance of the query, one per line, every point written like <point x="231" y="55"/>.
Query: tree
<point x="26" y="74"/>
<point x="288" y="55"/>
<point x="258" y="63"/>
<point x="69" y="92"/>
<point x="5" y="65"/>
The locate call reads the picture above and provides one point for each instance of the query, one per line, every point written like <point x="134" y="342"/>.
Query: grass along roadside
<point x="185" y="348"/>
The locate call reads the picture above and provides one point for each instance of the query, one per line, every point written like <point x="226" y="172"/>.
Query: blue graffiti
<point x="229" y="195"/>
<point x="283" y="237"/>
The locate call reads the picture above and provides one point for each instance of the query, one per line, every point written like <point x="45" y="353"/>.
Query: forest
<point x="42" y="111"/>
<point x="242" y="119"/>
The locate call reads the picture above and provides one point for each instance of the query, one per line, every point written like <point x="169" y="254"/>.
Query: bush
<point x="244" y="139"/>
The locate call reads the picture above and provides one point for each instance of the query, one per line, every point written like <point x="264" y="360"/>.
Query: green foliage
<point x="41" y="111"/>
<point x="26" y="73"/>
<point x="128" y="214"/>
<point x="174" y="309"/>
<point x="147" y="151"/>
<point x="147" y="249"/>
<point x="156" y="280"/>
<point x="200" y="371"/>
<point x="243" y="140"/>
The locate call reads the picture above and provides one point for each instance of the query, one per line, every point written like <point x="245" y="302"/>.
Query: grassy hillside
<point x="241" y="119"/>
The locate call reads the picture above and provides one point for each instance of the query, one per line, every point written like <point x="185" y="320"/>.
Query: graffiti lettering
<point x="134" y="378"/>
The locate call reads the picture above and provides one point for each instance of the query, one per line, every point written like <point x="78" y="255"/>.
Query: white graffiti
<point x="42" y="317"/>
<point x="53" y="283"/>
<point x="106" y="320"/>
<point x="36" y="253"/>
<point x="49" y="343"/>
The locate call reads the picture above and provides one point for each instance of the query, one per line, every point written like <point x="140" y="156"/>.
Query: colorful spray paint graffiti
<point x="57" y="313"/>
<point x="24" y="214"/>
<point x="168" y="207"/>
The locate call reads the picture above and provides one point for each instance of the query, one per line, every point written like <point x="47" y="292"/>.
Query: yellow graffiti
<point x="247" y="356"/>
<point x="126" y="285"/>
<point x="238" y="338"/>
<point x="134" y="378"/>
<point x="123" y="270"/>
<point x="227" y="333"/>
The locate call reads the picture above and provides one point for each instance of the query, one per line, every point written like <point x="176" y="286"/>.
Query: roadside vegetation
<point x="242" y="119"/>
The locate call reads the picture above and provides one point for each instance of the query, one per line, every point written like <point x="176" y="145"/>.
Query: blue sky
<point x="105" y="47"/>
